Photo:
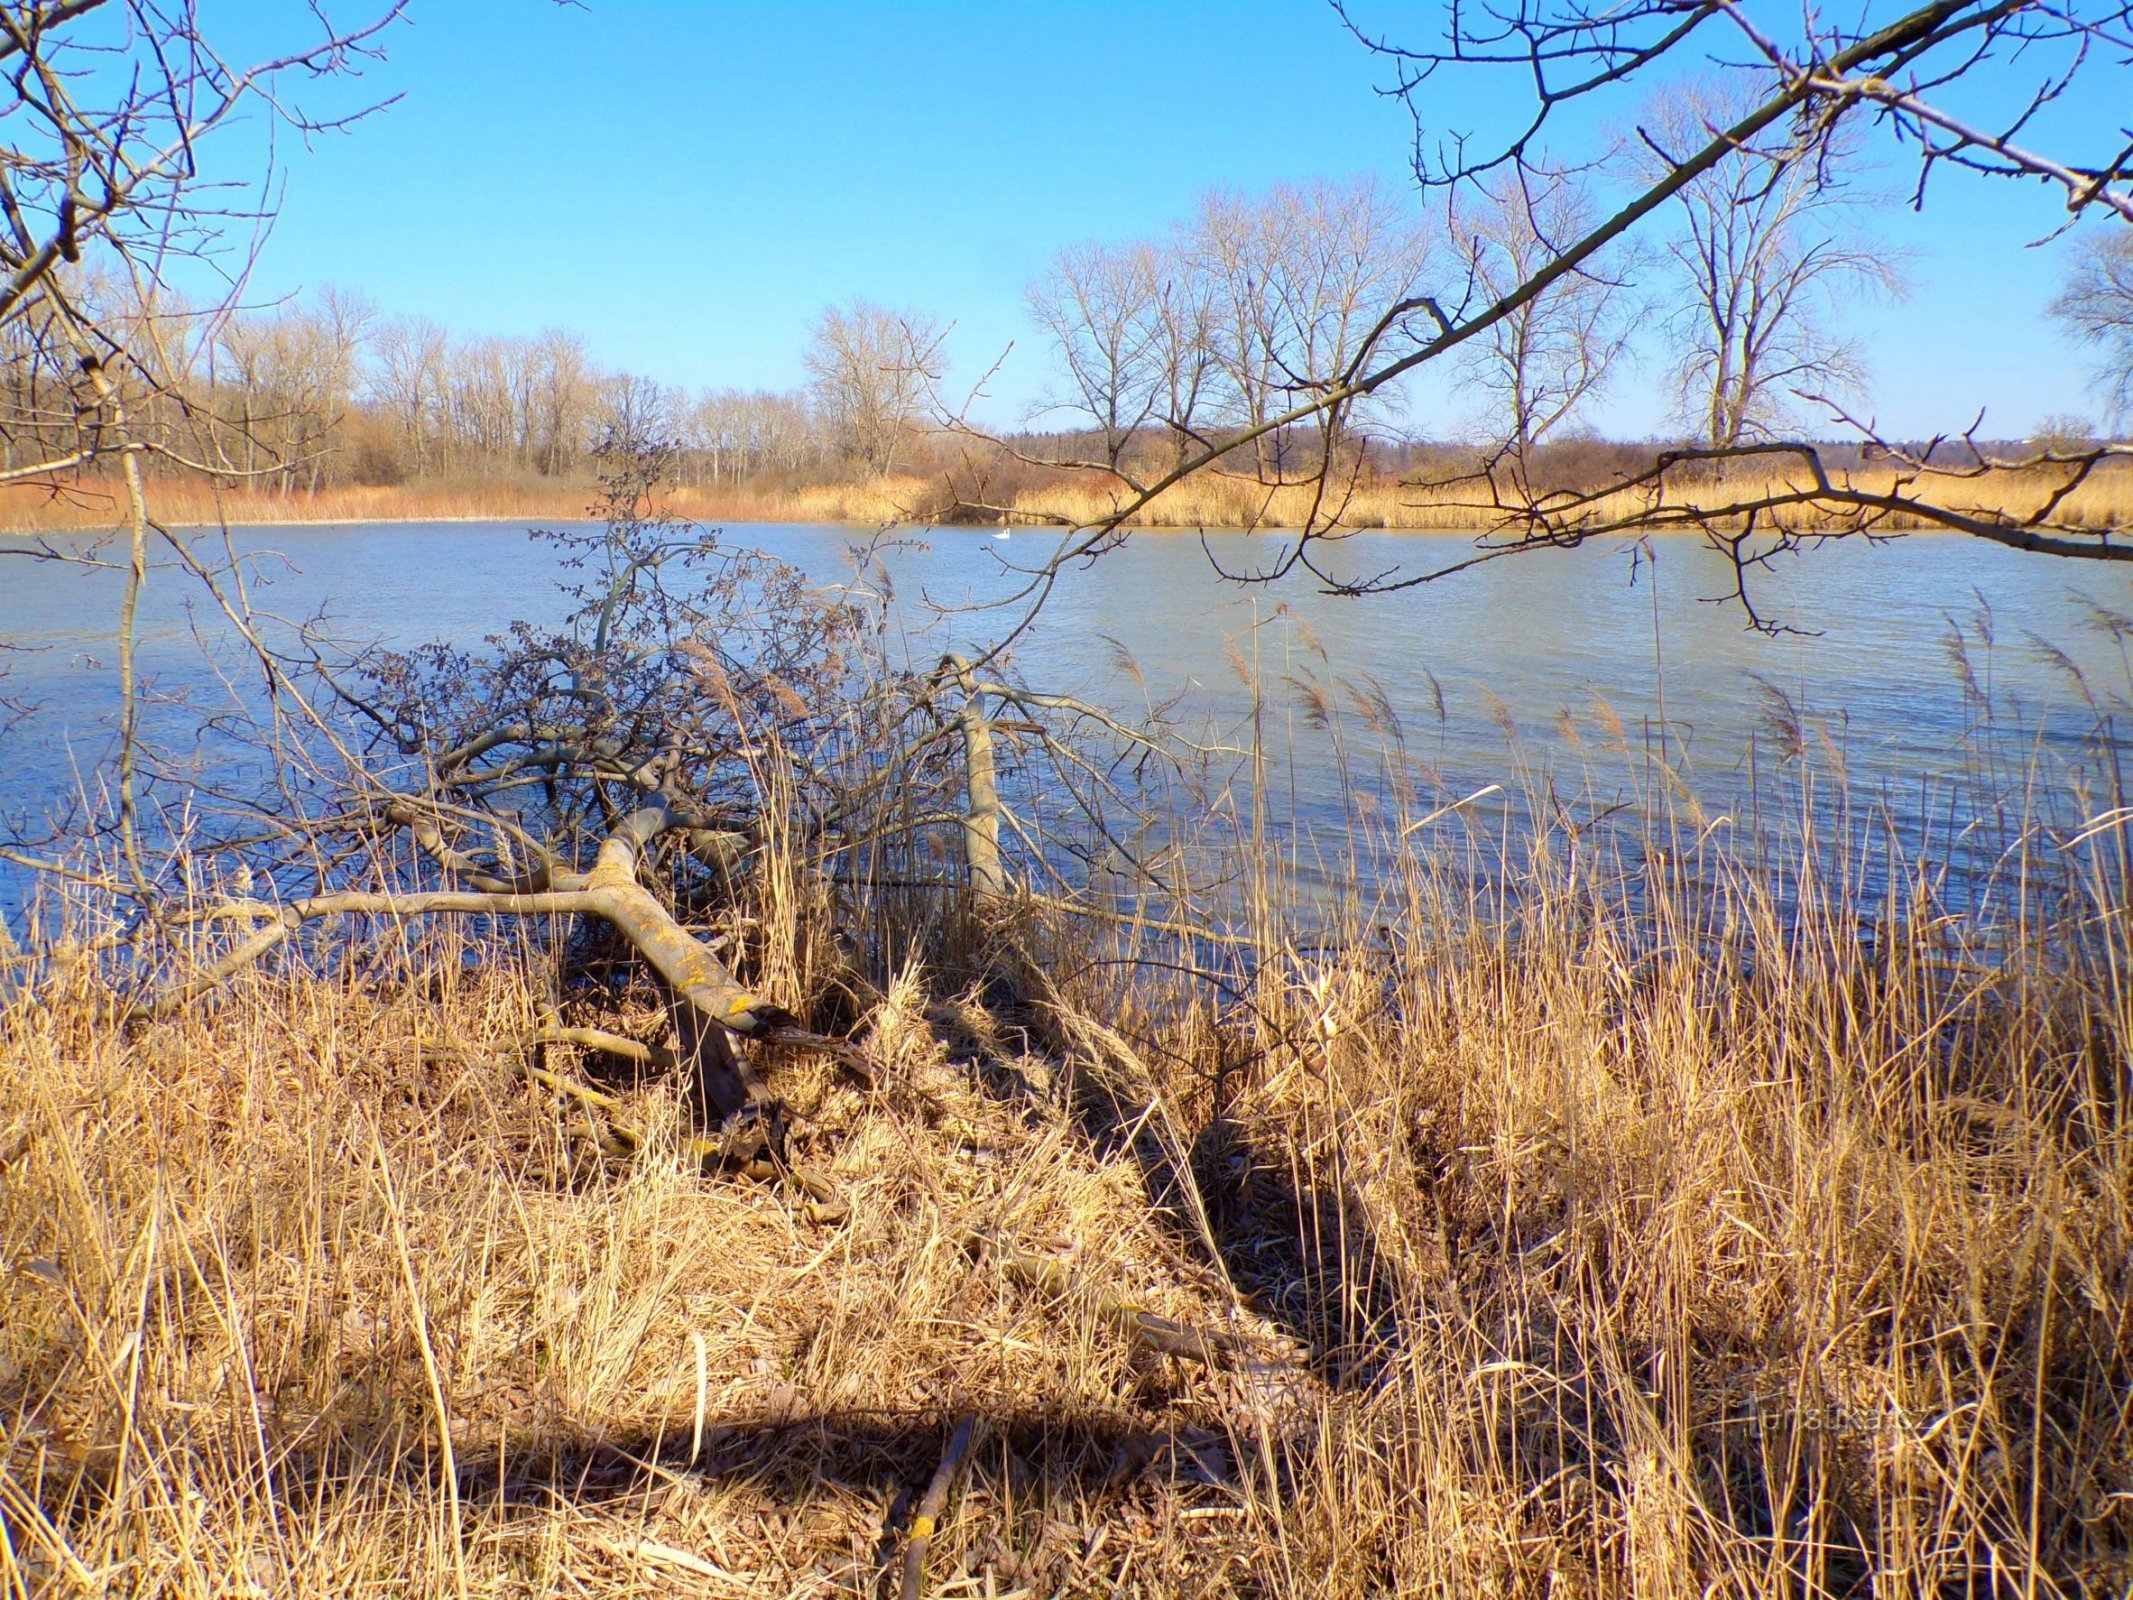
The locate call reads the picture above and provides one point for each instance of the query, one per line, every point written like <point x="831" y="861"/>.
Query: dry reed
<point x="2105" y="500"/>
<point x="1657" y="1222"/>
<point x="1207" y="501"/>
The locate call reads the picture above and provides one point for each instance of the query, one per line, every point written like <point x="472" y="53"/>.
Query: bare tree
<point x="1234" y="247"/>
<point x="1556" y="351"/>
<point x="482" y="391"/>
<point x="1293" y="282"/>
<point x="560" y="387"/>
<point x="1348" y="257"/>
<point x="1099" y="305"/>
<point x="285" y="382"/>
<point x="635" y="409"/>
<point x="872" y="369"/>
<point x="108" y="106"/>
<point x="1765" y="248"/>
<point x="736" y="434"/>
<point x="293" y="376"/>
<point x="407" y="379"/>
<point x="2096" y="306"/>
<point x="1811" y="85"/>
<point x="113" y="102"/>
<point x="1260" y="301"/>
<point x="1181" y="348"/>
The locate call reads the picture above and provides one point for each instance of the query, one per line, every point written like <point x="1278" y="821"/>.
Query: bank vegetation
<point x="720" y="1091"/>
<point x="1440" y="490"/>
<point x="612" y="1110"/>
<point x="1573" y="1210"/>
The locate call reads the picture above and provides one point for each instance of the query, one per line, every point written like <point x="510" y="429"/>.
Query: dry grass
<point x="239" y="1244"/>
<point x="1213" y="501"/>
<point x="1208" y="501"/>
<point x="192" y="502"/>
<point x="1620" y="1235"/>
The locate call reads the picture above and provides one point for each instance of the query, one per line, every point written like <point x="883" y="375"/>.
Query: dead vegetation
<point x="626" y="1109"/>
<point x="1623" y="1231"/>
<point x="2102" y="500"/>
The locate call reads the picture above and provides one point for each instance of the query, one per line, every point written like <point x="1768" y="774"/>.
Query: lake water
<point x="1493" y="674"/>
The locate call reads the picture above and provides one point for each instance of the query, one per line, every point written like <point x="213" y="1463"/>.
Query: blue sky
<point x="687" y="184"/>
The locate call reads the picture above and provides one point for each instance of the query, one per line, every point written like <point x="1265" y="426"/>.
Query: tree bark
<point x="981" y="822"/>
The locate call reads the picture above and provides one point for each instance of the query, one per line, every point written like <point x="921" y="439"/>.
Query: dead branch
<point x="933" y="1502"/>
<point x="610" y="891"/>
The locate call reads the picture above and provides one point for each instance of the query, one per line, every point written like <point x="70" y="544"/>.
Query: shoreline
<point x="2103" y="503"/>
<point x="977" y="531"/>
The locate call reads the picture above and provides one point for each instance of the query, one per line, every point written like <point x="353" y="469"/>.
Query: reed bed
<point x="2104" y="501"/>
<point x="1662" y="1219"/>
<point x="192" y="502"/>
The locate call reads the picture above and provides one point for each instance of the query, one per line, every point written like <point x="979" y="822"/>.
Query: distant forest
<point x="1237" y="320"/>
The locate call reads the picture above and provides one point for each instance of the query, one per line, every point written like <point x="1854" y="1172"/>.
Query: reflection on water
<point x="1523" y="665"/>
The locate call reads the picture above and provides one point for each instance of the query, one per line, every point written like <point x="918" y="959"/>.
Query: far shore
<point x="1209" y="503"/>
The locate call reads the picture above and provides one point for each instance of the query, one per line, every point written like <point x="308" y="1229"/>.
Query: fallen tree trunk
<point x="715" y="1003"/>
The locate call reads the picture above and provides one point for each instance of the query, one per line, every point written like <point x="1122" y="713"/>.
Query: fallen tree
<point x="610" y="891"/>
<point x="628" y="783"/>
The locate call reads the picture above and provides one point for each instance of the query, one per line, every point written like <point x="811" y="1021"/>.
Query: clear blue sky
<point x="687" y="184"/>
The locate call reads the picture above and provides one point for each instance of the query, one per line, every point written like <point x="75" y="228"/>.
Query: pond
<point x="1549" y="664"/>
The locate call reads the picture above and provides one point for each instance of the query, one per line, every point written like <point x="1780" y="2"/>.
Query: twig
<point x="931" y="1504"/>
<point x="600" y="1039"/>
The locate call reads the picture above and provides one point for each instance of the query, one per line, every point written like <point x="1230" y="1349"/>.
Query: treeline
<point x="328" y="390"/>
<point x="1742" y="301"/>
<point x="1258" y="307"/>
<point x="1251" y="311"/>
<point x="341" y="394"/>
<point x="1254" y="306"/>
